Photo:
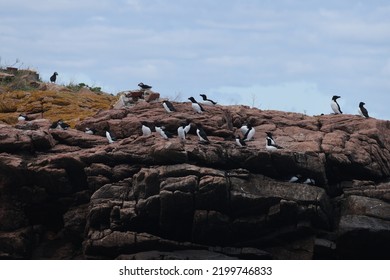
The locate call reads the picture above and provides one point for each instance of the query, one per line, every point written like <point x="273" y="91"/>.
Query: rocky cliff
<point x="67" y="194"/>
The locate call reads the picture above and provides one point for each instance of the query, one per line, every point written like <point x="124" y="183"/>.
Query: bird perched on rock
<point x="182" y="131"/>
<point x="207" y="101"/>
<point x="249" y="133"/>
<point x="196" y="106"/>
<point x="296" y="179"/>
<point x="299" y="179"/>
<point x="202" y="134"/>
<point x="310" y="181"/>
<point x="146" y="131"/>
<point x="53" y="77"/>
<point x="90" y="131"/>
<point x="144" y="87"/>
<point x="362" y="110"/>
<point x="168" y="106"/>
<point x="270" y="136"/>
<point x="23" y="117"/>
<point x="335" y="106"/>
<point x="164" y="134"/>
<point x="270" y="144"/>
<point x="244" y="129"/>
<point x="240" y="142"/>
<point x="111" y="139"/>
<point x="187" y="127"/>
<point x="60" y="124"/>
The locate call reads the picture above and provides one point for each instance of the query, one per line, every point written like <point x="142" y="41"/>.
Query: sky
<point x="289" y="55"/>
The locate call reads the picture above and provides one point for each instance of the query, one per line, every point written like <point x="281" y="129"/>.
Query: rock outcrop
<point x="66" y="194"/>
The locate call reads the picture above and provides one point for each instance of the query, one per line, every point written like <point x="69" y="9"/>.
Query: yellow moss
<point x="69" y="106"/>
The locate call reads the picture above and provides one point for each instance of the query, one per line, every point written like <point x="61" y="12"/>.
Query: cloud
<point x="292" y="97"/>
<point x="279" y="51"/>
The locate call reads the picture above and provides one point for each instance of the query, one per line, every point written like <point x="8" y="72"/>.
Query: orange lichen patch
<point x="53" y="105"/>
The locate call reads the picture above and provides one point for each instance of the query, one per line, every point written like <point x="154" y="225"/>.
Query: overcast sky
<point x="290" y="55"/>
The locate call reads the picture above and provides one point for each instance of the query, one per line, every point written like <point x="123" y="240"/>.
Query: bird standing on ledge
<point x="335" y="106"/>
<point x="207" y="101"/>
<point x="53" y="77"/>
<point x="144" y="87"/>
<point x="363" y="111"/>
<point x="196" y="106"/>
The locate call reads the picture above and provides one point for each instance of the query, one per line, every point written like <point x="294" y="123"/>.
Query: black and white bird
<point x="144" y="87"/>
<point x="23" y="117"/>
<point x="53" y="77"/>
<point x="250" y="133"/>
<point x="90" y="131"/>
<point x="335" y="106"/>
<point x="196" y="106"/>
<point x="299" y="179"/>
<point x="202" y="134"/>
<point x="163" y="133"/>
<point x="60" y="124"/>
<point x="240" y="142"/>
<point x="296" y="179"/>
<point x="309" y="181"/>
<point x="207" y="101"/>
<point x="187" y="128"/>
<point x="271" y="146"/>
<point x="168" y="106"/>
<point x="270" y="136"/>
<point x="146" y="131"/>
<point x="362" y="110"/>
<point x="181" y="132"/>
<point x="244" y="129"/>
<point x="111" y="139"/>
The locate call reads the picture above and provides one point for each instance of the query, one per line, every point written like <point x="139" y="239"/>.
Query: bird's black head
<point x="55" y="73"/>
<point x="203" y="96"/>
<point x="140" y="84"/>
<point x="335" y="97"/>
<point x="269" y="134"/>
<point x="192" y="99"/>
<point x="361" y="104"/>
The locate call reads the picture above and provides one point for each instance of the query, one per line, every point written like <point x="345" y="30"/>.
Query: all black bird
<point x="53" y="77"/>
<point x="363" y="111"/>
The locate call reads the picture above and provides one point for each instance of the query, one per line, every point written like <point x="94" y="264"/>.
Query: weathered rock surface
<point x="66" y="194"/>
